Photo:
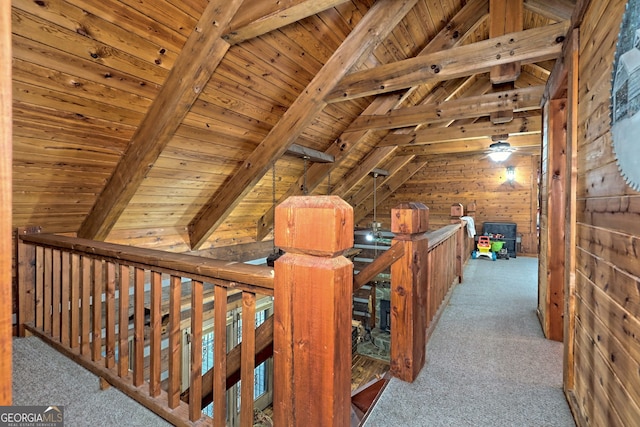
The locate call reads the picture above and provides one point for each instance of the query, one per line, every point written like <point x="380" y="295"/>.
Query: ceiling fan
<point x="500" y="151"/>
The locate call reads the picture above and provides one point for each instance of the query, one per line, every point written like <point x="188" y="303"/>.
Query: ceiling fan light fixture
<point x="500" y="151"/>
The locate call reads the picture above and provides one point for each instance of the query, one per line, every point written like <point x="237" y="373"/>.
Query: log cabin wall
<point x="607" y="322"/>
<point x="446" y="180"/>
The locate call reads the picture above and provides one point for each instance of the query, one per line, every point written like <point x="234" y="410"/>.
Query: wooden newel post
<point x="312" y="312"/>
<point x="26" y="280"/>
<point x="409" y="293"/>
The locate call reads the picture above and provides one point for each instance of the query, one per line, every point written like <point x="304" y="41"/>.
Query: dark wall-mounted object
<point x="507" y="229"/>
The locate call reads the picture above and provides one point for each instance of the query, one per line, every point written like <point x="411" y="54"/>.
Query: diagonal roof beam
<point x="456" y="30"/>
<point x="259" y="17"/>
<point x="201" y="54"/>
<point x="558" y="10"/>
<point x="374" y="27"/>
<point x="534" y="45"/>
<point x="462" y="108"/>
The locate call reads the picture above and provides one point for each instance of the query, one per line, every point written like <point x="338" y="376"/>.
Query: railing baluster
<point x="138" y="335"/>
<point x="40" y="307"/>
<point x="96" y="321"/>
<point x="155" y="333"/>
<point x="175" y="356"/>
<point x="55" y="294"/>
<point x="195" y="378"/>
<point x="248" y="361"/>
<point x="65" y="310"/>
<point x="74" y="313"/>
<point x="48" y="277"/>
<point x="123" y="310"/>
<point x="85" y="334"/>
<point x="110" y="316"/>
<point x="220" y="357"/>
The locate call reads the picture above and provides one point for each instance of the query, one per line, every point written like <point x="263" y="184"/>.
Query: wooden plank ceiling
<point x="177" y="123"/>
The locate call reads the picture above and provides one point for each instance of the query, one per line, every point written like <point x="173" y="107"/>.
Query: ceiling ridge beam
<point x="528" y="46"/>
<point x="524" y="99"/>
<point x="374" y="27"/>
<point x="202" y="52"/>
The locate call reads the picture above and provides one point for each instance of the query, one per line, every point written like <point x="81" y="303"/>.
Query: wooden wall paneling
<point x="169" y="108"/>
<point x="606" y="262"/>
<point x="6" y="241"/>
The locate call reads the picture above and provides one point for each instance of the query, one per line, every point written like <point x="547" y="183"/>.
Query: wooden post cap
<point x="457" y="210"/>
<point x="410" y="218"/>
<point x="314" y="225"/>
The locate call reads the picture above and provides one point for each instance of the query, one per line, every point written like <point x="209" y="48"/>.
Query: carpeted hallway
<point x="487" y="361"/>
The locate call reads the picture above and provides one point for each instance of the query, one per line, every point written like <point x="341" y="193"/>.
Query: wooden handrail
<point x="378" y="265"/>
<point x="241" y="276"/>
<point x="441" y="234"/>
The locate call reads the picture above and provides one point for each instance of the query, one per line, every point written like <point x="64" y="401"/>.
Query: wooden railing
<point x="91" y="300"/>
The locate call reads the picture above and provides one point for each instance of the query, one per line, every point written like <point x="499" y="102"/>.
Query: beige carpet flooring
<point x="488" y="363"/>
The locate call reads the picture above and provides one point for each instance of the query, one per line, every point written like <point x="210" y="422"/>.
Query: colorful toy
<point x="484" y="249"/>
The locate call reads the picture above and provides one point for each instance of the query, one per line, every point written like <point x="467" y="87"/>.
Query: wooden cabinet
<point x="507" y="229"/>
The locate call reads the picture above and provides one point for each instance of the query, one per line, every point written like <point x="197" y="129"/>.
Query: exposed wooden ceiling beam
<point x="257" y="17"/>
<point x="531" y="141"/>
<point x="557" y="10"/>
<point x="462" y="24"/>
<point x="537" y="44"/>
<point x="506" y="17"/>
<point x="193" y="68"/>
<point x="517" y="126"/>
<point x="462" y="108"/>
<point x="374" y="27"/>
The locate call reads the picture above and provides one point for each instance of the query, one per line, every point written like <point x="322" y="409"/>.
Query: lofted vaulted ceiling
<point x="177" y="123"/>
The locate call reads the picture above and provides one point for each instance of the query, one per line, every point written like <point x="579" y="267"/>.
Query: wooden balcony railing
<point x="90" y="300"/>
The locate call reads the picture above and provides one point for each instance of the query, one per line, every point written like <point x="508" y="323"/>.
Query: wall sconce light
<point x="511" y="173"/>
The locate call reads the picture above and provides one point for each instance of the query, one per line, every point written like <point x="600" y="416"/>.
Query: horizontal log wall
<point x="607" y="352"/>
<point x="448" y="179"/>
